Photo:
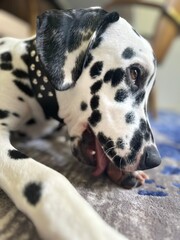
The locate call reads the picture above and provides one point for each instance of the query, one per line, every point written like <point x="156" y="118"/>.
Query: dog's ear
<point x="64" y="39"/>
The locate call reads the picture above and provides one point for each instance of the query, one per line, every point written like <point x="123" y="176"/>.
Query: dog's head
<point x="103" y="71"/>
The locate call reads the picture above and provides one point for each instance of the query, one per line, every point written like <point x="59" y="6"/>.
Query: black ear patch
<point x="59" y="33"/>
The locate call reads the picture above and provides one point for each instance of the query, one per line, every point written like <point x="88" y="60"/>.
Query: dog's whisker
<point x="109" y="149"/>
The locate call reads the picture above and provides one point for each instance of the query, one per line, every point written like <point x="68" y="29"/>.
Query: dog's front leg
<point x="48" y="198"/>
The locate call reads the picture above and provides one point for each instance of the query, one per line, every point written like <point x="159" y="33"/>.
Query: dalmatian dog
<point x="91" y="71"/>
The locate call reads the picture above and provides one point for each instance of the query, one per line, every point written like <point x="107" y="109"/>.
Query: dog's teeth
<point x="93" y="152"/>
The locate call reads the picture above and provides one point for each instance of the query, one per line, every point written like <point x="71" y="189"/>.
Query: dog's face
<point x="106" y="73"/>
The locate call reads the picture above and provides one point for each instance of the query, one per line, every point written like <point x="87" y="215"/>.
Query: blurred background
<point x="157" y="20"/>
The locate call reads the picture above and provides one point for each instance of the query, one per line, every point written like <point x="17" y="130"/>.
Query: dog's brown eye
<point x="134" y="73"/>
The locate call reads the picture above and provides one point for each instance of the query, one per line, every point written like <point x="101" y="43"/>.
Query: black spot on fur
<point x="143" y="125"/>
<point x="26" y="59"/>
<point x="128" y="53"/>
<point x="130" y="117"/>
<point x="111" y="153"/>
<point x="96" y="87"/>
<point x="21" y="99"/>
<point x="109" y="148"/>
<point x="32" y="192"/>
<point x="132" y="156"/>
<point x="2" y="42"/>
<point x="6" y="66"/>
<point x="4" y="114"/>
<point x="95" y="118"/>
<point x="31" y="121"/>
<point x="133" y="88"/>
<point x="4" y="124"/>
<point x="119" y="162"/>
<point x="136" y="141"/>
<point x="102" y="138"/>
<point x="96" y="69"/>
<point x="117" y="77"/>
<point x="108" y="76"/>
<point x="83" y="106"/>
<point x="88" y="60"/>
<point x="24" y="88"/>
<point x="147" y="136"/>
<point x="150" y="132"/>
<point x="15" y="114"/>
<point x="20" y="73"/>
<point x="94" y="102"/>
<point x="6" y="57"/>
<point x="140" y="97"/>
<point x="15" y="154"/>
<point x="109" y="145"/>
<point x="120" y="143"/>
<point x="121" y="95"/>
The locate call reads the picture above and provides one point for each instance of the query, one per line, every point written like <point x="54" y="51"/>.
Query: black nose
<point x="149" y="159"/>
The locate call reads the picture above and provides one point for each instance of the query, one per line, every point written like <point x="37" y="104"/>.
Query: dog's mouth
<point x="91" y="152"/>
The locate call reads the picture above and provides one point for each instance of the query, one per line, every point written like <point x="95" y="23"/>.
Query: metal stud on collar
<point x="42" y="88"/>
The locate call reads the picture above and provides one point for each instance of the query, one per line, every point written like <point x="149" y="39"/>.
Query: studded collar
<point x="42" y="88"/>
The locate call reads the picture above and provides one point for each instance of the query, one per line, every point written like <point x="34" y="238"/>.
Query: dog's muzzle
<point x="90" y="151"/>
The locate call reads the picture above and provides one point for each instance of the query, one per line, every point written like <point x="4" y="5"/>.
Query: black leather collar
<point x="42" y="88"/>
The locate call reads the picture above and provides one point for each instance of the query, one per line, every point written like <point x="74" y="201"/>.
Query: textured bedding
<point x="151" y="211"/>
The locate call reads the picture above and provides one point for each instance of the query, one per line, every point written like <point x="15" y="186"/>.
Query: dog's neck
<point x="42" y="88"/>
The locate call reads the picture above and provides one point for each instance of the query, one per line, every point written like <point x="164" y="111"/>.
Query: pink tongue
<point x="102" y="160"/>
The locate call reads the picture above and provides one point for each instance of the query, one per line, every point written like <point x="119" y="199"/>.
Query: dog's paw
<point x="126" y="180"/>
<point x="134" y="179"/>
